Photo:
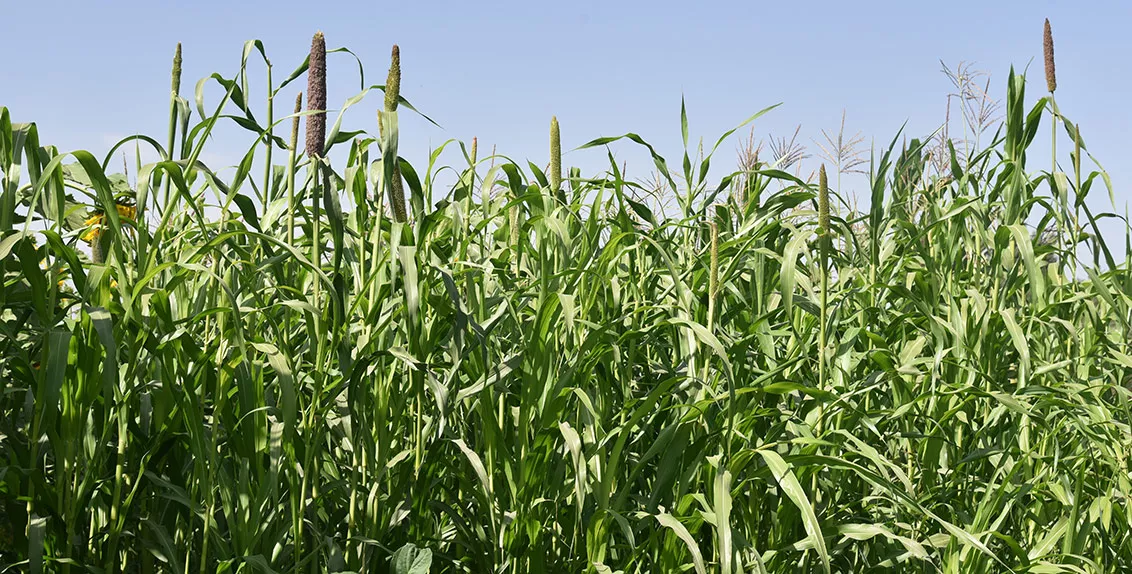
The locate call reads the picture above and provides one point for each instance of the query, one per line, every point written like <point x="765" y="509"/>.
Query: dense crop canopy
<point x="532" y="370"/>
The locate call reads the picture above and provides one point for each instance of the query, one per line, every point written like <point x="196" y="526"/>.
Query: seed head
<point x="823" y="202"/>
<point x="393" y="83"/>
<point x="1077" y="149"/>
<point x="1051" y="72"/>
<point x="177" y="70"/>
<point x="392" y="94"/>
<point x="473" y="151"/>
<point x="96" y="253"/>
<point x="397" y="196"/>
<point x="295" y="121"/>
<point x="555" y="155"/>
<point x="316" y="97"/>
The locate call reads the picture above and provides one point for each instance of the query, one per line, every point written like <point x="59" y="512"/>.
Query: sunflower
<point x="126" y="210"/>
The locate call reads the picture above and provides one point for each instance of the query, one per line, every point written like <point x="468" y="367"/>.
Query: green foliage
<point x="510" y="379"/>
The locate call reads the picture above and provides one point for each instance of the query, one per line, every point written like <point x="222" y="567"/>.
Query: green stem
<point x="269" y="141"/>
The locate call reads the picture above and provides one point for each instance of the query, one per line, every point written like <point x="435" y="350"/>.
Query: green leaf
<point x="785" y="476"/>
<point x="670" y="522"/>
<point x="409" y="559"/>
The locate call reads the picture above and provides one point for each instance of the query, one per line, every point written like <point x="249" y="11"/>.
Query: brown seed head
<point x="295" y="121"/>
<point x="393" y="83"/>
<point x="474" y="143"/>
<point x="1051" y="72"/>
<point x="316" y="97"/>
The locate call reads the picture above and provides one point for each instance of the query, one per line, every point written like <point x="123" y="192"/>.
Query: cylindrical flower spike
<point x="397" y="196"/>
<point x="96" y="255"/>
<point x="1077" y="149"/>
<point x="295" y="120"/>
<point x="1051" y="71"/>
<point x="316" y="97"/>
<point x="177" y="71"/>
<point x="392" y="96"/>
<point x="393" y="83"/>
<point x="555" y="156"/>
<point x="823" y="202"/>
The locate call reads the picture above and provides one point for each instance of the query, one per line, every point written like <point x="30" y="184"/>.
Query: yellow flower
<point x="96" y="220"/>
<point x="92" y="234"/>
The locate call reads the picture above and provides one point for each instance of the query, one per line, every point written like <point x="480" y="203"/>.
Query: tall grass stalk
<point x="593" y="385"/>
<point x="392" y="97"/>
<point x="174" y="95"/>
<point x="292" y="154"/>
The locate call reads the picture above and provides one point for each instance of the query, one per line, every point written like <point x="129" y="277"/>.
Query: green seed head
<point x="474" y="151"/>
<point x="1051" y="72"/>
<point x="97" y="255"/>
<point x="1077" y="149"/>
<point x="823" y="202"/>
<point x="555" y="156"/>
<point x="177" y="70"/>
<point x="397" y="196"/>
<point x="316" y="97"/>
<point x="393" y="83"/>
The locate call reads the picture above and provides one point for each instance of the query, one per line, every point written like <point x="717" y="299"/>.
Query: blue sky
<point x="90" y="73"/>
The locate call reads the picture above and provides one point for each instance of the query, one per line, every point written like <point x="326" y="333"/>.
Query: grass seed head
<point x="96" y="255"/>
<point x="1077" y="149"/>
<point x="1051" y="71"/>
<point x="555" y="155"/>
<point x="177" y="70"/>
<point x="295" y="120"/>
<point x="397" y="196"/>
<point x="823" y="201"/>
<point x="392" y="95"/>
<point x="316" y="97"/>
<point x="393" y="83"/>
<point x="474" y="151"/>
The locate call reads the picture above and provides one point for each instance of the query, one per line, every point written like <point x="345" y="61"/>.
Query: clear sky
<point x="90" y="73"/>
